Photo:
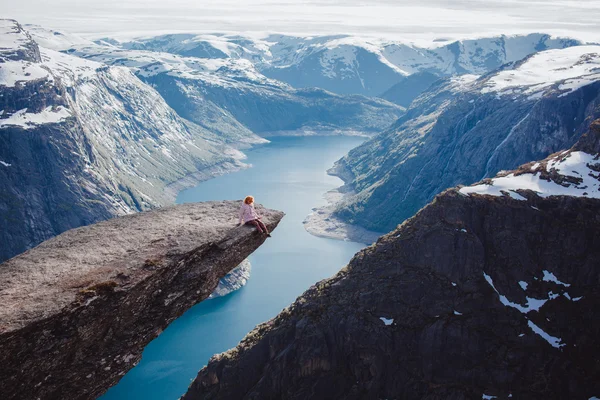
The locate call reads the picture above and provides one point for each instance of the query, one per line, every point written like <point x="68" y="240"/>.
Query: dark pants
<point x="259" y="225"/>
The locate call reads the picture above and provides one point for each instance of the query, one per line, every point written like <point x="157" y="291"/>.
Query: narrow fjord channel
<point x="288" y="174"/>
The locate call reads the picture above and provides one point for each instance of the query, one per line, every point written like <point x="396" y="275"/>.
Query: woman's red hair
<point x="249" y="200"/>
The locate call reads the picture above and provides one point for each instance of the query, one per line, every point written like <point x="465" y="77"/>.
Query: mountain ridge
<point x="347" y="64"/>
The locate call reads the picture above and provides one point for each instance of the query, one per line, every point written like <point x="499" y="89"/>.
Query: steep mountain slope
<point x="405" y="91"/>
<point x="345" y="64"/>
<point x="230" y="96"/>
<point x="80" y="142"/>
<point x="476" y="296"/>
<point x="469" y="127"/>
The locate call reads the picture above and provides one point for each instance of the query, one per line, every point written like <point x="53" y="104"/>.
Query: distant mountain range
<point x="351" y="65"/>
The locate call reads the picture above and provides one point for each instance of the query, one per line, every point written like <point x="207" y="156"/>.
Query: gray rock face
<point x="27" y="50"/>
<point x="460" y="131"/>
<point x="78" y="309"/>
<point x="474" y="296"/>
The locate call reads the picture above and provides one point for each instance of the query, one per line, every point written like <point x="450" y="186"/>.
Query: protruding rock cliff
<point x="78" y="309"/>
<point x="484" y="293"/>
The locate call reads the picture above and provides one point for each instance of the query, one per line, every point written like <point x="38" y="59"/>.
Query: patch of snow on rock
<point x="553" y="341"/>
<point x="550" y="277"/>
<point x="387" y="321"/>
<point x="13" y="72"/>
<point x="532" y="304"/>
<point x="29" y="120"/>
<point x="575" y="165"/>
<point x="572" y="67"/>
<point x="234" y="280"/>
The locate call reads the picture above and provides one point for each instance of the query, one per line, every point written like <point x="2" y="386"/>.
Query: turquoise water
<point x="288" y="174"/>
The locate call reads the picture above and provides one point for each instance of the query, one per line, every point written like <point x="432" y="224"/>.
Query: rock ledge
<point x="78" y="309"/>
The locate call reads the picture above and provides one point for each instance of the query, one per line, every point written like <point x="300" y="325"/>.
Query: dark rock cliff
<point x="476" y="295"/>
<point x="78" y="309"/>
<point x="38" y="196"/>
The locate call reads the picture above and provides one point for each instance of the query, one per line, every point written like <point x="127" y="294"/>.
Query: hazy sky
<point x="411" y="19"/>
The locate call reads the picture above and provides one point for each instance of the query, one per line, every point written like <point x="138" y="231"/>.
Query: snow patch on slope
<point x="532" y="304"/>
<point x="13" y="72"/>
<point x="23" y="119"/>
<point x="569" y="68"/>
<point x="553" y="341"/>
<point x="575" y="165"/>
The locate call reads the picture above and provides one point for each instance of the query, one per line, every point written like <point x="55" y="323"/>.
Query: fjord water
<point x="289" y="174"/>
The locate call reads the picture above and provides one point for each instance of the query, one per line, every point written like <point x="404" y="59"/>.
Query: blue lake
<point x="288" y="174"/>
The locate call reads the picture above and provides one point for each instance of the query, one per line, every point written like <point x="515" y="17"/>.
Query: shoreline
<point x="322" y="223"/>
<point x="317" y="132"/>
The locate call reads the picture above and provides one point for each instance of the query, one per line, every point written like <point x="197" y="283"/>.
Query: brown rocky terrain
<point x="78" y="309"/>
<point x="476" y="296"/>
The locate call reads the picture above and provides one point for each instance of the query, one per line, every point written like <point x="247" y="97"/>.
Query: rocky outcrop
<point x="78" y="309"/>
<point x="476" y="296"/>
<point x="466" y="128"/>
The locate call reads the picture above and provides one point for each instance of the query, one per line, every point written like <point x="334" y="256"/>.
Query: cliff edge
<point x="78" y="309"/>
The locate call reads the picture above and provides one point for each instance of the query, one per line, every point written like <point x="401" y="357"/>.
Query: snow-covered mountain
<point x="81" y="141"/>
<point x="346" y="64"/>
<point x="466" y="128"/>
<point x="229" y="95"/>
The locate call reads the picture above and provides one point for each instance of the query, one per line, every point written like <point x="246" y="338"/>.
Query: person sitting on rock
<point x="249" y="216"/>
